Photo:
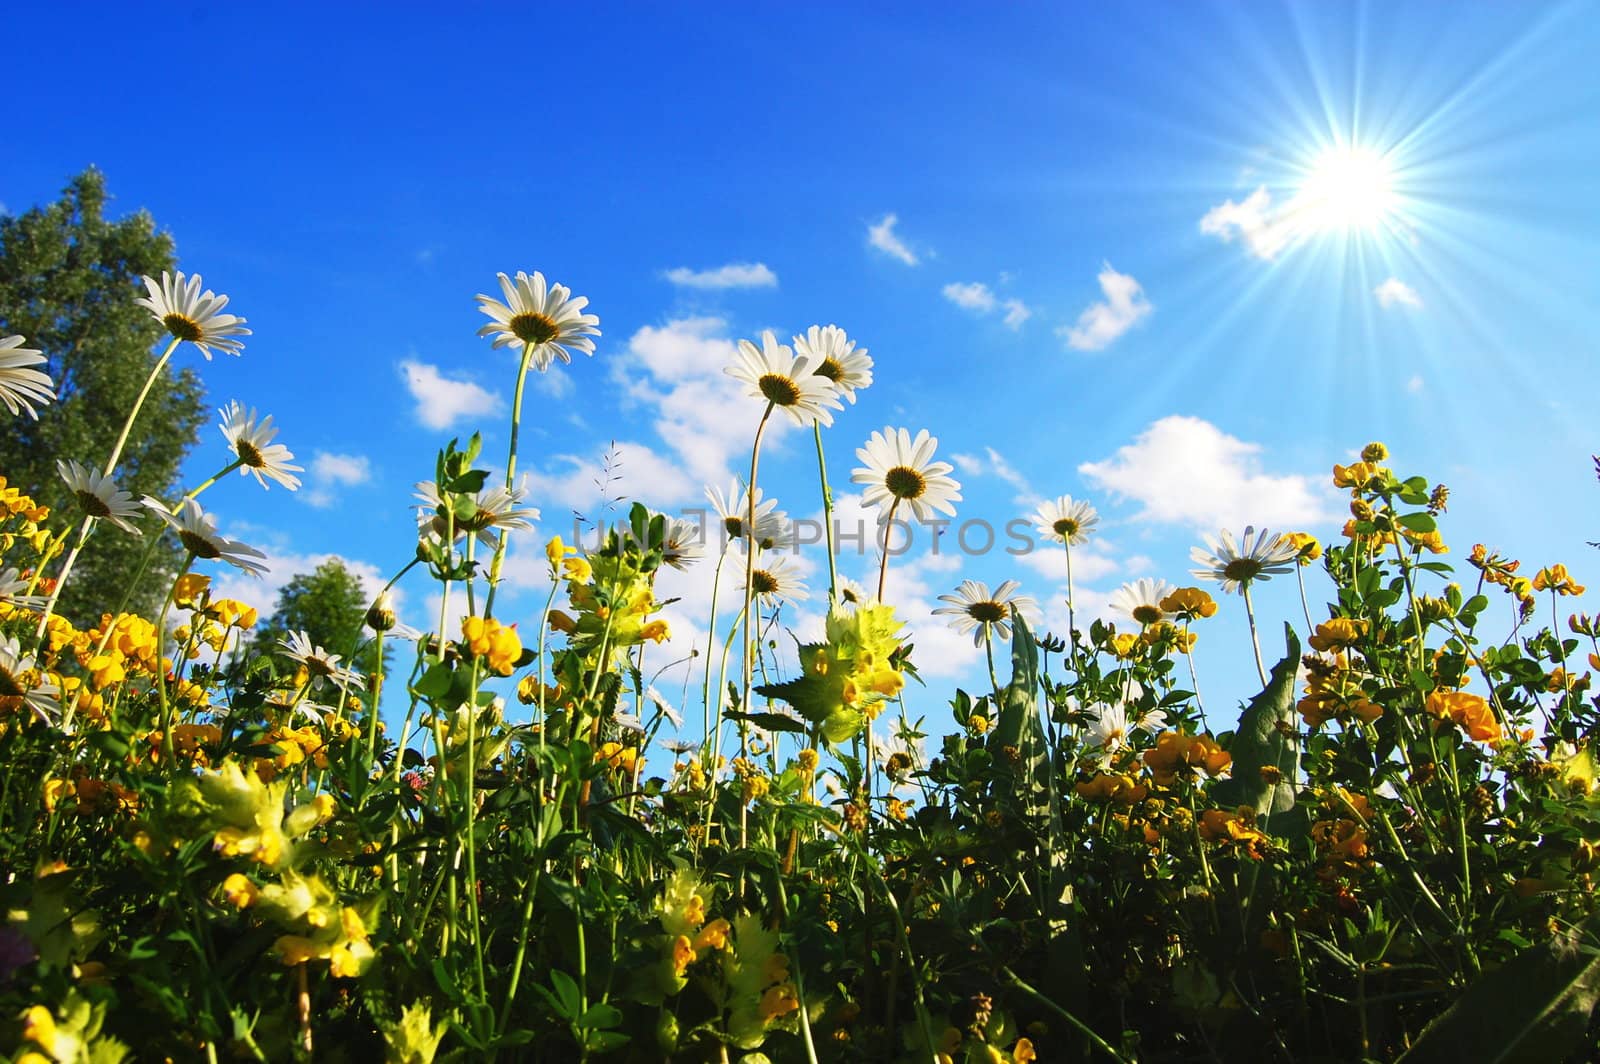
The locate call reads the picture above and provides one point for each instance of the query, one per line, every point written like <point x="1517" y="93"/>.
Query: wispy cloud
<point x="993" y="463"/>
<point x="974" y="295"/>
<point x="442" y="401"/>
<point x="980" y="299"/>
<point x="332" y="471"/>
<point x="881" y="235"/>
<point x="1186" y="471"/>
<point x="1396" y="293"/>
<point x="1017" y="312"/>
<point x="1265" y="230"/>
<point x="1123" y="307"/>
<point x="733" y="275"/>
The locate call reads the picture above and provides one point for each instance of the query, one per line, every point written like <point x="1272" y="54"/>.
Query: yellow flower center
<point x="249" y="455"/>
<point x="1066" y="527"/>
<point x="183" y="327"/>
<point x="763" y="582"/>
<point x="533" y="329"/>
<point x="1145" y="613"/>
<point x="988" y="612"/>
<point x="779" y="390"/>
<point x="734" y="526"/>
<point x="831" y="369"/>
<point x="11" y="684"/>
<point x="905" y="483"/>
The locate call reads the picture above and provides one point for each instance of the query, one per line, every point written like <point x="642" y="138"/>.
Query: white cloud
<point x="626" y="472"/>
<point x="733" y="275"/>
<point x="1017" y="312"/>
<point x="676" y="372"/>
<point x="993" y="463"/>
<point x="980" y="299"/>
<point x="442" y="401"/>
<point x="1265" y="231"/>
<point x="974" y="295"/>
<point x="1185" y="470"/>
<point x="330" y="471"/>
<point x="1101" y="323"/>
<point x="881" y="235"/>
<point x="1414" y="385"/>
<point x="283" y="564"/>
<point x="1395" y="292"/>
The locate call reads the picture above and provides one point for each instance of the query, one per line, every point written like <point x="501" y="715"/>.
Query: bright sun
<point x="1347" y="188"/>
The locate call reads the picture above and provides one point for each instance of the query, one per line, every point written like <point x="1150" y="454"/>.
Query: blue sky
<point x="1069" y="237"/>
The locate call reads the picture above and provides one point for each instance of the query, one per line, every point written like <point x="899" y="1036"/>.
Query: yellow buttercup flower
<point x="1189" y="602"/>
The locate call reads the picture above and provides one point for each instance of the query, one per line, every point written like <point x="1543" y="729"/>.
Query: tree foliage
<point x="68" y="281"/>
<point x="329" y="605"/>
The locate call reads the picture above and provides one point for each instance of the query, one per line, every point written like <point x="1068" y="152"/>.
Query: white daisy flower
<point x="775" y="580"/>
<point x="543" y="316"/>
<point x="21" y="386"/>
<point x="1108" y="730"/>
<point x="1140" y="601"/>
<point x="733" y="510"/>
<point x="974" y="609"/>
<point x="664" y="706"/>
<point x="791" y="384"/>
<point x="679" y="746"/>
<point x="99" y="496"/>
<point x="14" y="589"/>
<point x="251" y="440"/>
<point x="495" y="508"/>
<point x="835" y="357"/>
<point x="1236" y="564"/>
<point x="189" y="314"/>
<point x="197" y="531"/>
<point x="1066" y="520"/>
<point x="852" y="594"/>
<point x="900" y="469"/>
<point x="681" y="542"/>
<point x="297" y="647"/>
<point x="19" y="679"/>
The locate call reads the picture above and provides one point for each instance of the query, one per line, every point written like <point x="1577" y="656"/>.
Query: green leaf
<point x="566" y="989"/>
<point x="768" y="721"/>
<point x="1019" y="709"/>
<point x="1536" y="1007"/>
<point x="601" y="1015"/>
<point x="435" y="682"/>
<point x="1260" y="744"/>
<point x="1417" y="522"/>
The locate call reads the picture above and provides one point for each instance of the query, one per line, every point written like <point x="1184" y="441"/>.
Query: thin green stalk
<point x="511" y="474"/>
<point x="1083" y="1028"/>
<point x="827" y="526"/>
<point x="127" y="426"/>
<point x="888" y="530"/>
<point x="1255" y="641"/>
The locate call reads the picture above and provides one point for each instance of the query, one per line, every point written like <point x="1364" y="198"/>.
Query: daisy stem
<point x="1072" y="624"/>
<point x="827" y="517"/>
<point x="1255" y="641"/>
<point x="1305" y="606"/>
<point x="711" y="634"/>
<point x="61" y="577"/>
<point x="888" y="530"/>
<point x="161" y="679"/>
<point x="377" y="695"/>
<point x="511" y="475"/>
<point x="204" y="484"/>
<point x="749" y="586"/>
<point x="1194" y="678"/>
<point x="127" y="426"/>
<point x="988" y="647"/>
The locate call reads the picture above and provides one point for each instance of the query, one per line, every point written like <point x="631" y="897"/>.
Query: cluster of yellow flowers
<point x="20" y="518"/>
<point x="1333" y="689"/>
<point x="613" y="599"/>
<point x="318" y="926"/>
<point x="498" y="645"/>
<point x="1469" y="712"/>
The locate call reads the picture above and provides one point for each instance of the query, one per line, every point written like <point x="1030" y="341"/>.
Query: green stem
<point x="1255" y="641"/>
<point x="511" y="473"/>
<point x="827" y="528"/>
<point x="127" y="426"/>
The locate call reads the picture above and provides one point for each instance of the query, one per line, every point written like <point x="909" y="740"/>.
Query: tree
<point x="68" y="281"/>
<point x="328" y="605"/>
